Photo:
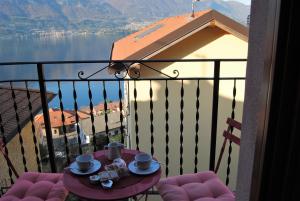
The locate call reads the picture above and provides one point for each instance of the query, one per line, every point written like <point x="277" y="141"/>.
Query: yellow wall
<point x="54" y="131"/>
<point x="15" y="154"/>
<point x="210" y="43"/>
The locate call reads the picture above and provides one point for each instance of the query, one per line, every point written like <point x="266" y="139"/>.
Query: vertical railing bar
<point x="77" y="118"/>
<point x="231" y="130"/>
<point x="46" y="115"/>
<point x="63" y="122"/>
<point x="197" y="127"/>
<point x="167" y="128"/>
<point x="136" y="117"/>
<point x="19" y="127"/>
<point x="214" y="120"/>
<point x="92" y="115"/>
<point x="105" y="111"/>
<point x="128" y="113"/>
<point x="121" y="112"/>
<point x="5" y="149"/>
<point x="151" y="118"/>
<point x="33" y="128"/>
<point x="181" y="127"/>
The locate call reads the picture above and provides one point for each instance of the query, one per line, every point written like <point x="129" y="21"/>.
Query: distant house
<point x="206" y="35"/>
<point x="10" y="126"/>
<point x="57" y="127"/>
<point x="56" y="121"/>
<point x="99" y="108"/>
<point x="113" y="124"/>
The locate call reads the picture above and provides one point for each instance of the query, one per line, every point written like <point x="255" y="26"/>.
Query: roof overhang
<point x="8" y="113"/>
<point x="210" y="18"/>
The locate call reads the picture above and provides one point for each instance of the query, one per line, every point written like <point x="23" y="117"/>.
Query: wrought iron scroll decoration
<point x="81" y="73"/>
<point x="123" y="70"/>
<point x="175" y="72"/>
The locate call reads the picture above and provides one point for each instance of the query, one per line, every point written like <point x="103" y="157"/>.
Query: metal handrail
<point x="118" y="61"/>
<point x="41" y="79"/>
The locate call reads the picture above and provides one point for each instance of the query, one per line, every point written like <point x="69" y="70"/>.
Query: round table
<point x="126" y="187"/>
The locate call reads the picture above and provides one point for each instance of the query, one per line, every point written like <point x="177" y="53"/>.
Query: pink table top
<point x="124" y="188"/>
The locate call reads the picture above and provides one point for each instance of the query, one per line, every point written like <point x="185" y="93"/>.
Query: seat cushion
<point x="33" y="186"/>
<point x="202" y="186"/>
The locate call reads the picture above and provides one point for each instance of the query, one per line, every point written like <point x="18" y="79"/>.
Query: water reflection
<point x="89" y="47"/>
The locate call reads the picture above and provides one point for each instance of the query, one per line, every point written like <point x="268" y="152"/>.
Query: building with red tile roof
<point x="57" y="122"/>
<point x="164" y="33"/>
<point x="207" y="35"/>
<point x="56" y="117"/>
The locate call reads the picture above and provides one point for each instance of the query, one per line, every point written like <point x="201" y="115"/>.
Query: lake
<point x="87" y="47"/>
<point x="98" y="47"/>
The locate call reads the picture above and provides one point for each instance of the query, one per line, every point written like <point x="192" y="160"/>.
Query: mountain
<point x="21" y="17"/>
<point x="144" y="9"/>
<point x="80" y="10"/>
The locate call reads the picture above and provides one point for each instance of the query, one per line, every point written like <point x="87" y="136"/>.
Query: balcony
<point x="174" y="109"/>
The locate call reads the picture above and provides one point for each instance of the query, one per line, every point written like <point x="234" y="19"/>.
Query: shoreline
<point x="58" y="34"/>
<point x="55" y="33"/>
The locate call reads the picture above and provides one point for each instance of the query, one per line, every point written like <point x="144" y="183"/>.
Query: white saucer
<point x="95" y="166"/>
<point x="154" y="166"/>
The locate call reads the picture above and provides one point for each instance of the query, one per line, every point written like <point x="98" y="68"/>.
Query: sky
<point x="247" y="2"/>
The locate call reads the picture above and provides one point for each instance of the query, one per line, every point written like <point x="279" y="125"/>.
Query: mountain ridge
<point x="23" y="17"/>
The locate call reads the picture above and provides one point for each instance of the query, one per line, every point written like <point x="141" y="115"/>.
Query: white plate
<point x="95" y="166"/>
<point x="154" y="166"/>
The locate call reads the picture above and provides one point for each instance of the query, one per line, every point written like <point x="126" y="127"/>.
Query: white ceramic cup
<point x="143" y="160"/>
<point x="84" y="161"/>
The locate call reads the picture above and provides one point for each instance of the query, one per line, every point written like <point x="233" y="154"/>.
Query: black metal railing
<point x="125" y="78"/>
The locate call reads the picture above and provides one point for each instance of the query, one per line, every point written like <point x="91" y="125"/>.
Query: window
<point x="149" y="31"/>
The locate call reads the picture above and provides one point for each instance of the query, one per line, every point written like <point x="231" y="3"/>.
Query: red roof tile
<point x="56" y="117"/>
<point x="161" y="33"/>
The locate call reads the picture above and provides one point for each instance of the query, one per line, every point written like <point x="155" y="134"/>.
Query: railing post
<point x="214" y="119"/>
<point x="46" y="116"/>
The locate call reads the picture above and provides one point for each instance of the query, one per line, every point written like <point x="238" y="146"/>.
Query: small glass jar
<point x="94" y="179"/>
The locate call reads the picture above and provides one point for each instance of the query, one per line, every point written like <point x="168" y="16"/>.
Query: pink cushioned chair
<point x="201" y="186"/>
<point x="34" y="186"/>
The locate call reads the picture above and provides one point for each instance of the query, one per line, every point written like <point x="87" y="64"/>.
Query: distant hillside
<point x="21" y="17"/>
<point x="144" y="9"/>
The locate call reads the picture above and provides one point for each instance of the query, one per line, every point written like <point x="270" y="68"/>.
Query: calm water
<point x="89" y="47"/>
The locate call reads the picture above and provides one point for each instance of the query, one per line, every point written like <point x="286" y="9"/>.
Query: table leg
<point x="140" y="198"/>
<point x="146" y="196"/>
